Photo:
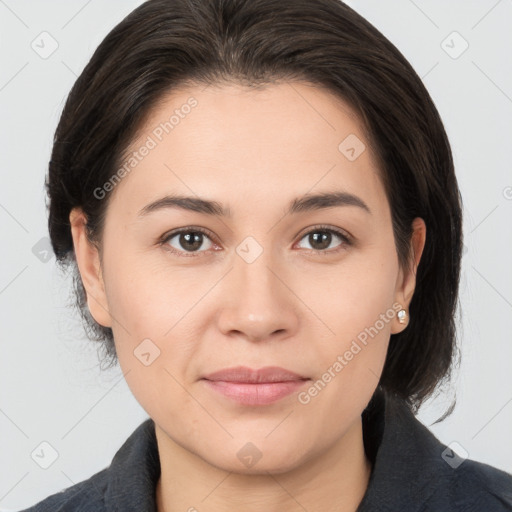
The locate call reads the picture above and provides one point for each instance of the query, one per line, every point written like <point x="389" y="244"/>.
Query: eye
<point x="187" y="240"/>
<point x="321" y="237"/>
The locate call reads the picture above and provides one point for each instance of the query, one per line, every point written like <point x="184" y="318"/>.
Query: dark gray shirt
<point x="412" y="472"/>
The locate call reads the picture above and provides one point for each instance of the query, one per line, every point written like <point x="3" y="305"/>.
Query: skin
<point x="253" y="151"/>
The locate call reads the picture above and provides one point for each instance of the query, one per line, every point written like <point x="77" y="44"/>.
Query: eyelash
<point x="346" y="239"/>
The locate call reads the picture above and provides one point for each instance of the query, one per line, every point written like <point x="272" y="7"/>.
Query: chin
<point x="250" y="458"/>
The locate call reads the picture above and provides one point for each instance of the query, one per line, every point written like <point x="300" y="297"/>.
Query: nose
<point x="257" y="302"/>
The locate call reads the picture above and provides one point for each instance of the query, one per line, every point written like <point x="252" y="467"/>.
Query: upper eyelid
<point x="323" y="227"/>
<point x="192" y="229"/>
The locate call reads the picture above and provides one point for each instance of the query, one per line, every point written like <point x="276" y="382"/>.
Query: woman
<point x="259" y="201"/>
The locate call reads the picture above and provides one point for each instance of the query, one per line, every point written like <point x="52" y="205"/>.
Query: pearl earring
<point x="402" y="316"/>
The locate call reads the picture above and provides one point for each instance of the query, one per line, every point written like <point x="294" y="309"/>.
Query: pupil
<point x="191" y="241"/>
<point x="323" y="238"/>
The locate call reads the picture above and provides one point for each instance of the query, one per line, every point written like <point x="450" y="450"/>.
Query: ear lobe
<point x="89" y="265"/>
<point x="406" y="283"/>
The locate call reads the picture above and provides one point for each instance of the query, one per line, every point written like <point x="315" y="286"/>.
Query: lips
<point x="249" y="387"/>
<point x="243" y="374"/>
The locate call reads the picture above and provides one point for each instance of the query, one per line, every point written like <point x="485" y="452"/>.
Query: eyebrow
<point x="308" y="202"/>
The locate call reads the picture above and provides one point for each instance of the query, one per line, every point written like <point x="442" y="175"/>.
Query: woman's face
<point x="259" y="277"/>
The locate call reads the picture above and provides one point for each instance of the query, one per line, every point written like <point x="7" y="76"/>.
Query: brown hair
<point x="164" y="44"/>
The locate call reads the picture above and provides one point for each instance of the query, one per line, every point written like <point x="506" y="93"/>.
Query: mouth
<point x="255" y="387"/>
<point x="243" y="374"/>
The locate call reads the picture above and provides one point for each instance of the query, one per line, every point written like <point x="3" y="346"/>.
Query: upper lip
<point x="245" y="374"/>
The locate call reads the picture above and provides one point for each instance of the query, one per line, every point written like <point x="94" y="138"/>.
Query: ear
<point x="406" y="282"/>
<point x="89" y="265"/>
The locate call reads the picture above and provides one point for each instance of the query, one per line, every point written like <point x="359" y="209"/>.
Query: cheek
<point x="148" y="299"/>
<point x="352" y="296"/>
<point x="152" y="349"/>
<point x="151" y="311"/>
<point x="355" y="305"/>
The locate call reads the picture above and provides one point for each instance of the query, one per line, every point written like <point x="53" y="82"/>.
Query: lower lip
<point x="255" y="394"/>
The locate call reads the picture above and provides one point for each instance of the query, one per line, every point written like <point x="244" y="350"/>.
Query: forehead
<point x="264" y="143"/>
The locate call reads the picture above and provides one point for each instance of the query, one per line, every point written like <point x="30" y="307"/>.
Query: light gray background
<point x="51" y="387"/>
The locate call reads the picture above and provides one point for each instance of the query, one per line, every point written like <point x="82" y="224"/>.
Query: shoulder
<point x="85" y="496"/>
<point x="128" y="483"/>
<point x="475" y="486"/>
<point x="413" y="471"/>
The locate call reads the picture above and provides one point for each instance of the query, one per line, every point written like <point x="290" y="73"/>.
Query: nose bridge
<point x="261" y="304"/>
<point x="253" y="273"/>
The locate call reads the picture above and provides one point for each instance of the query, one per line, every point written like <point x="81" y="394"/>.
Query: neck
<point x="335" y="479"/>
